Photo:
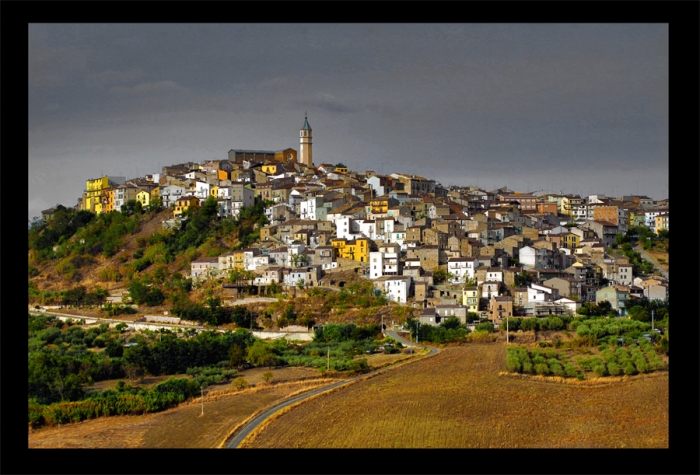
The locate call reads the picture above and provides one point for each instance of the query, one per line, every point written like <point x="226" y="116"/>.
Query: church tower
<point x="305" y="152"/>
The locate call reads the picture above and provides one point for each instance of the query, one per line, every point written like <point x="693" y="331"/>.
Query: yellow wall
<point x="144" y="198"/>
<point x="358" y="251"/>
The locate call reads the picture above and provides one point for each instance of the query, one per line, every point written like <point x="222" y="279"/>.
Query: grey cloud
<point x="148" y="88"/>
<point x="110" y="77"/>
<point x="54" y="65"/>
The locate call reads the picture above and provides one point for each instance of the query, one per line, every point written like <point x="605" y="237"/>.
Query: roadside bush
<point x="240" y="383"/>
<point x="570" y="370"/>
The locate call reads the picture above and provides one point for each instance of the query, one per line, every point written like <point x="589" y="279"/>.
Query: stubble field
<point x="457" y="399"/>
<point x="182" y="426"/>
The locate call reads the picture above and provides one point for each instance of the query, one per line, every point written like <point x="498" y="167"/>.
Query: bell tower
<point x="305" y="145"/>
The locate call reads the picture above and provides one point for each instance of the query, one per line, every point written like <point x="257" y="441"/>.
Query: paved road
<point x="648" y="257"/>
<point x="247" y="429"/>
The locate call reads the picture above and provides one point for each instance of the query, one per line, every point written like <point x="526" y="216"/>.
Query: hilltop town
<point x="451" y="251"/>
<point x="264" y="278"/>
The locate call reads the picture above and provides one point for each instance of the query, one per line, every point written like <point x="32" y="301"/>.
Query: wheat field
<point x="457" y="399"/>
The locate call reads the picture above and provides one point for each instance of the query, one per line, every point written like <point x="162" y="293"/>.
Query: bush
<point x="513" y="363"/>
<point x="570" y="370"/>
<point x="240" y="383"/>
<point x="556" y="367"/>
<point x="599" y="370"/>
<point x="485" y="327"/>
<point x="614" y="368"/>
<point x="542" y="368"/>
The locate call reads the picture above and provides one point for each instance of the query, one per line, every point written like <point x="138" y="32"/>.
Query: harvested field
<point x="179" y="427"/>
<point x="457" y="399"/>
<point x="182" y="426"/>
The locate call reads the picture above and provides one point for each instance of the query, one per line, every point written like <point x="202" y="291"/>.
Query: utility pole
<point x="202" y="389"/>
<point x="652" y="320"/>
<point x="328" y="364"/>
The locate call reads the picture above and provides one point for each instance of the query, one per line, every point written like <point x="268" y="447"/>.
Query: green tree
<point x="639" y="313"/>
<point x="267" y="376"/>
<point x="261" y="354"/>
<point x="440" y="275"/>
<point x="451" y="323"/>
<point x="236" y="356"/>
<point x="523" y="279"/>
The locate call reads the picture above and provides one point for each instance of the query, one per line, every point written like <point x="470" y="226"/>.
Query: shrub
<point x="240" y="383"/>
<point x="485" y="327"/>
<point x="556" y="367"/>
<point x="630" y="369"/>
<point x="541" y="368"/>
<point x="267" y="376"/>
<point x="513" y="363"/>
<point x="570" y="370"/>
<point x="614" y="368"/>
<point x="599" y="370"/>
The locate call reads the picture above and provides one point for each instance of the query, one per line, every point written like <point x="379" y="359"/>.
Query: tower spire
<point x="305" y="143"/>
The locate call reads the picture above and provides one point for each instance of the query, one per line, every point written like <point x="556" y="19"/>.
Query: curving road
<point x="236" y="440"/>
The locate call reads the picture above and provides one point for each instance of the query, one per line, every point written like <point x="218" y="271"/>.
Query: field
<point x="457" y="399"/>
<point x="182" y="426"/>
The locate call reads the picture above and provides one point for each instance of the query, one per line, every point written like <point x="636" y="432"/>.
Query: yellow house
<point x="184" y="203"/>
<point x="568" y="203"/>
<point x="341" y="169"/>
<point x="357" y="249"/>
<point x="660" y="222"/>
<point x="223" y="175"/>
<point x="144" y="198"/>
<point x="379" y="205"/>
<point x="214" y="191"/>
<point x="570" y="240"/>
<point x="470" y="299"/>
<point x="93" y="192"/>
<point x="270" y="168"/>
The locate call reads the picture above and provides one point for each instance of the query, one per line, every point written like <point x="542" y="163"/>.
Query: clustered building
<point x="403" y="230"/>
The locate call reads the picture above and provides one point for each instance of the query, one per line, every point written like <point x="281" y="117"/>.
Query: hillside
<point x="87" y="263"/>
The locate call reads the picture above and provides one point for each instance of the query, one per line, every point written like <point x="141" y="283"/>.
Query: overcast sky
<point x="578" y="108"/>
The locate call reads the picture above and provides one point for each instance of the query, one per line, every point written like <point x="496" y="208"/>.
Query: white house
<point x="386" y="261"/>
<point x="169" y="194"/>
<point x="462" y="268"/>
<point x="307" y="208"/>
<point x="397" y="287"/>
<point x="202" y="189"/>
<point x="204" y="267"/>
<point x="541" y="293"/>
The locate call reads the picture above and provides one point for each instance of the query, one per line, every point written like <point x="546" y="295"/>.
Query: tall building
<point x="305" y="145"/>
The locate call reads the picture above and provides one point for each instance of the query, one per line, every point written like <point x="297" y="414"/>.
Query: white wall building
<point x="463" y="268"/>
